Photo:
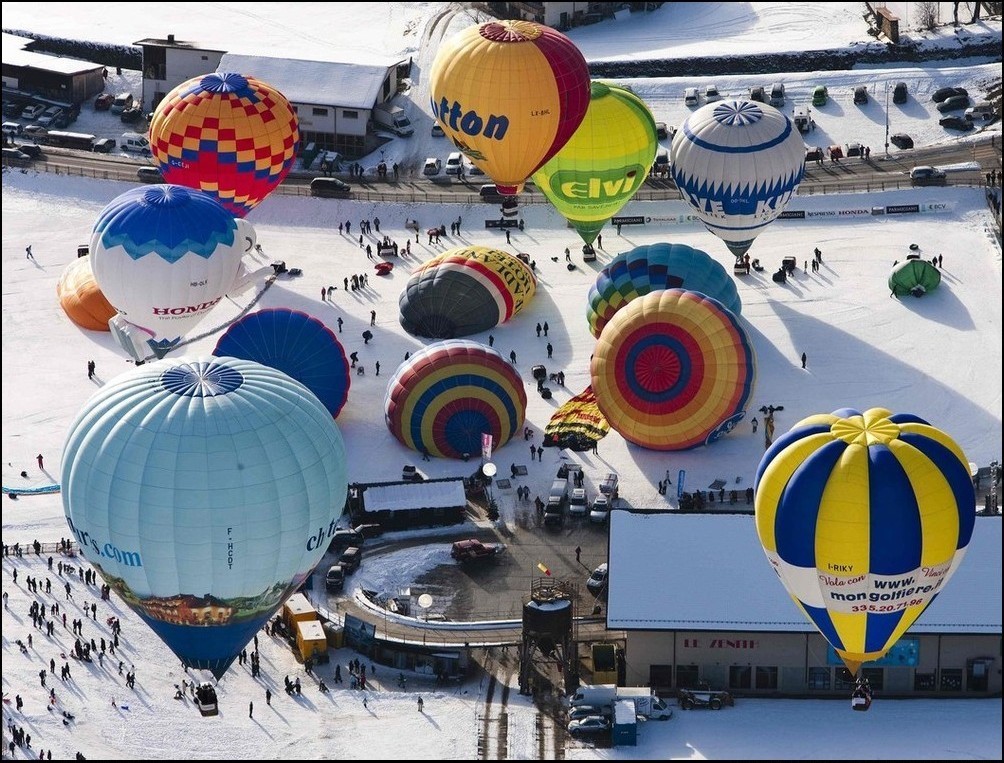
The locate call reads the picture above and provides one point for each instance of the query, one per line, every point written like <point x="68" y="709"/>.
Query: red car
<point x="103" y="102"/>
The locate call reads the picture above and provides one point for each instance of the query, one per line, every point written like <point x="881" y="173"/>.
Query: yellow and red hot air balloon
<point x="604" y="163"/>
<point x="509" y="94"/>
<point x="230" y="135"/>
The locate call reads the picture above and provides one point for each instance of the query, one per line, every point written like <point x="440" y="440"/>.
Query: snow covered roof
<point x="440" y="494"/>
<point x="15" y="54"/>
<point x="709" y="572"/>
<point x="351" y="85"/>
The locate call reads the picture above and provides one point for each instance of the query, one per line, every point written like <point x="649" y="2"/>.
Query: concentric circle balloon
<point x="230" y="135"/>
<point x="295" y="343"/>
<point x="654" y="267"/>
<point x="203" y="490"/>
<point x="737" y="164"/>
<point x="81" y="298"/>
<point x="165" y="256"/>
<point x="443" y="398"/>
<point x="864" y="517"/>
<point x="509" y="94"/>
<point x="673" y="370"/>
<point x="464" y="291"/>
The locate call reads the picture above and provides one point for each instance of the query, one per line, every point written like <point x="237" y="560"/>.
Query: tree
<point x="927" y="15"/>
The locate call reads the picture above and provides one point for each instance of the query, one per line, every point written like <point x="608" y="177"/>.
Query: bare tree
<point x="927" y="15"/>
<point x="955" y="14"/>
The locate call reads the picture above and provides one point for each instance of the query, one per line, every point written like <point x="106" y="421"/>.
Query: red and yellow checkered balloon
<point x="229" y="135"/>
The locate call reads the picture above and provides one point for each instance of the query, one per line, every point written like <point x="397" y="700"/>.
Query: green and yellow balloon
<point x="604" y="163"/>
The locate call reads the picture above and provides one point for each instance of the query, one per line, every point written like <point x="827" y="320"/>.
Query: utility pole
<point x="887" y="119"/>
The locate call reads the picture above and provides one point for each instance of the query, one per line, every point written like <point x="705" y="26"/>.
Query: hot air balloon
<point x="509" y="94"/>
<point x="80" y="297"/>
<point x="464" y="291"/>
<point x="442" y="399"/>
<point x="654" y="267"/>
<point x="864" y="518"/>
<point x="673" y="370"/>
<point x="203" y="490"/>
<point x="577" y="424"/>
<point x="737" y="163"/>
<point x="230" y="135"/>
<point x="605" y="161"/>
<point x="914" y="277"/>
<point x="165" y="256"/>
<point x="295" y="343"/>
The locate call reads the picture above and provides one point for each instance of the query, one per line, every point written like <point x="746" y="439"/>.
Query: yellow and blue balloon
<point x="864" y="517"/>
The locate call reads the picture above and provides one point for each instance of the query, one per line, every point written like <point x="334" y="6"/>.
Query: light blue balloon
<point x="204" y="491"/>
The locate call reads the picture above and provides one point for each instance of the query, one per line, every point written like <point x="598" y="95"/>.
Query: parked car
<point x="330" y="188"/>
<point x="12" y="108"/>
<point x="472" y="550"/>
<point x="437" y="130"/>
<point x="31" y="149"/>
<point x="925" y="175"/>
<point x="954" y="103"/>
<point x="820" y="95"/>
<point x="691" y="97"/>
<point x="861" y="95"/>
<point x="593" y="724"/>
<point x="32" y="111"/>
<point x="854" y="150"/>
<point x="149" y="175"/>
<point x="597" y="580"/>
<point x="814" y="154"/>
<point x="661" y="163"/>
<point x="983" y="112"/>
<point x="343" y="539"/>
<point x="956" y="123"/>
<point x="899" y="93"/>
<point x="103" y="102"/>
<point x="947" y="92"/>
<point x="121" y="102"/>
<point x="661" y="131"/>
<point x="454" y="163"/>
<point x="578" y="504"/>
<point x="371" y="530"/>
<point x="49" y="116"/>
<point x="10" y="129"/>
<point x="777" y="94"/>
<point x="490" y="194"/>
<point x="579" y="712"/>
<point x="757" y="94"/>
<point x="104" y="145"/>
<point x="901" y="140"/>
<point x="600" y="510"/>
<point x="711" y="94"/>
<point x="133" y="114"/>
<point x="35" y="131"/>
<point x="433" y="166"/>
<point x="13" y="157"/>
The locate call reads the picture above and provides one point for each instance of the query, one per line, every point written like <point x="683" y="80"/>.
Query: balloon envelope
<point x="915" y="277"/>
<point x="230" y="135"/>
<point x="673" y="370"/>
<point x="464" y="291"/>
<point x="654" y="267"/>
<point x="81" y="298"/>
<point x="509" y="94"/>
<point x="605" y="161"/>
<point x="577" y="424"/>
<point x="864" y="518"/>
<point x="443" y="398"/>
<point x="737" y="163"/>
<point x="297" y="344"/>
<point x="165" y="256"/>
<point x="203" y="491"/>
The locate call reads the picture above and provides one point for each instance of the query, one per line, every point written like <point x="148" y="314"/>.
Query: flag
<point x="543" y="568"/>
<point x="486" y="446"/>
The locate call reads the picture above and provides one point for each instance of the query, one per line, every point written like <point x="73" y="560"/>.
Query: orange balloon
<point x="81" y="299"/>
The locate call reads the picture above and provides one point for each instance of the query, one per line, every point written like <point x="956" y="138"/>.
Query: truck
<point x="803" y="119"/>
<point x="597" y="695"/>
<point x="394" y="119"/>
<point x="646" y="702"/>
<point x="474" y="550"/>
<point x="609" y="485"/>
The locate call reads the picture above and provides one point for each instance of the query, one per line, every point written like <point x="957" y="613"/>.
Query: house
<point x="57" y="78"/>
<point x="406" y="505"/>
<point x="334" y="100"/>
<point x="564" y="16"/>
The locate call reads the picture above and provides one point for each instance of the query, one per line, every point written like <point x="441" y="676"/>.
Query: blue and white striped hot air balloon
<point x="864" y="517"/>
<point x="204" y="490"/>
<point x="737" y="163"/>
<point x="164" y="257"/>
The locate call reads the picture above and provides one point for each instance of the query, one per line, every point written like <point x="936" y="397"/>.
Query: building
<point x="714" y="611"/>
<point x="564" y="15"/>
<point x="56" y="78"/>
<point x="334" y="100"/>
<point x="406" y="505"/>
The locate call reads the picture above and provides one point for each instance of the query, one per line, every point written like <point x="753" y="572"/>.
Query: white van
<point x="133" y="141"/>
<point x="12" y="129"/>
<point x="454" y="163"/>
<point x="691" y="96"/>
<point x="32" y="111"/>
<point x="777" y="94"/>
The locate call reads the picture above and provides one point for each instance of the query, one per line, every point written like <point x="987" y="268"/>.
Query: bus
<point x="78" y="140"/>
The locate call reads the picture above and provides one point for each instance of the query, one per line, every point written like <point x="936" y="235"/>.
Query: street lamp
<point x="887" y="119"/>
